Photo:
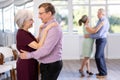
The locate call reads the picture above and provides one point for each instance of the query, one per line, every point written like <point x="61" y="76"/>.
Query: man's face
<point x="43" y="15"/>
<point x="99" y="14"/>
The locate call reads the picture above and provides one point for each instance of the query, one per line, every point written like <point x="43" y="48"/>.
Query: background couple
<point x="99" y="34"/>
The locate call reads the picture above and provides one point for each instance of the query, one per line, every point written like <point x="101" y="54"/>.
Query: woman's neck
<point x="24" y="28"/>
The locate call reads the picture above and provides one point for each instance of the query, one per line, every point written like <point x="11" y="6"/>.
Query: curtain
<point x="6" y="3"/>
<point x="21" y="2"/>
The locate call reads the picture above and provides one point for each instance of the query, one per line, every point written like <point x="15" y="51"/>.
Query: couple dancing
<point x="46" y="49"/>
<point x="98" y="33"/>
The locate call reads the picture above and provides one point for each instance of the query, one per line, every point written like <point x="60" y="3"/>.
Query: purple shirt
<point x="52" y="48"/>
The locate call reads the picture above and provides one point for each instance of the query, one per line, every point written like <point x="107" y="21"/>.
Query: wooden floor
<point x="70" y="70"/>
<point x="71" y="67"/>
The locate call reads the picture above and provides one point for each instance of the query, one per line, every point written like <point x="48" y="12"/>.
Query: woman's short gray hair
<point x="23" y="15"/>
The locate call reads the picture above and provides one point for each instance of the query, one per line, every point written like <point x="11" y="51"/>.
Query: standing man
<point x="49" y="55"/>
<point x="100" y="37"/>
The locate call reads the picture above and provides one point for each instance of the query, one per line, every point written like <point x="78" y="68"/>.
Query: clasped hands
<point x="86" y="35"/>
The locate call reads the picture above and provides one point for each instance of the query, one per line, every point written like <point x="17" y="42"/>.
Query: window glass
<point x="1" y="26"/>
<point x="98" y="1"/>
<point x="61" y="17"/>
<point x="57" y="2"/>
<point x="78" y="11"/>
<point x="80" y="1"/>
<point x="61" y="13"/>
<point x="114" y="18"/>
<point x="113" y="1"/>
<point x="8" y="18"/>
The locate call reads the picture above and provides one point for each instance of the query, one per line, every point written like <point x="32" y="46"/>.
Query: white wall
<point x="114" y="46"/>
<point x="72" y="47"/>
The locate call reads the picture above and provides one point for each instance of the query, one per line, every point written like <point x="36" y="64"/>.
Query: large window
<point x="68" y="12"/>
<point x="90" y="8"/>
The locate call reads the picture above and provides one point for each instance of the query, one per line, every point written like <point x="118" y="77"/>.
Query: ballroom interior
<point x="68" y="12"/>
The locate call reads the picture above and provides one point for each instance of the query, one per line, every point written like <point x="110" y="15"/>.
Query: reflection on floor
<point x="71" y="67"/>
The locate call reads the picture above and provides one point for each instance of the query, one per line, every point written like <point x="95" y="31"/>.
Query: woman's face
<point x="87" y="21"/>
<point x="28" y="23"/>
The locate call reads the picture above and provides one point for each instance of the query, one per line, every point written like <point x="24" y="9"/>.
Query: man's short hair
<point x="102" y="11"/>
<point x="48" y="7"/>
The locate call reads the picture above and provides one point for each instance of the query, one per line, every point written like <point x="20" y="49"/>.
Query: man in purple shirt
<point x="49" y="55"/>
<point x="100" y="37"/>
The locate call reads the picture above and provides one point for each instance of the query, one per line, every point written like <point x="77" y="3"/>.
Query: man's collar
<point x="52" y="20"/>
<point x="102" y="18"/>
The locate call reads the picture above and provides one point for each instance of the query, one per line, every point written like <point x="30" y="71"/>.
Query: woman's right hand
<point x="41" y="27"/>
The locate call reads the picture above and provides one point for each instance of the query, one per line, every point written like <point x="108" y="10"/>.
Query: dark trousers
<point x="99" y="56"/>
<point x="50" y="71"/>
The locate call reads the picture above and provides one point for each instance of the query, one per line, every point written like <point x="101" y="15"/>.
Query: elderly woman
<point x="27" y="69"/>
